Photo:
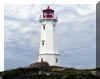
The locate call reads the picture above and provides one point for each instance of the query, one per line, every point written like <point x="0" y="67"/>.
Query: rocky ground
<point x="44" y="71"/>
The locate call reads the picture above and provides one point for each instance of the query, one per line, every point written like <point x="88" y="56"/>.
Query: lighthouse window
<point x="44" y="26"/>
<point x="56" y="60"/>
<point x="43" y="42"/>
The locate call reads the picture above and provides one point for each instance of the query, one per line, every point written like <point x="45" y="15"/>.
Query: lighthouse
<point x="47" y="51"/>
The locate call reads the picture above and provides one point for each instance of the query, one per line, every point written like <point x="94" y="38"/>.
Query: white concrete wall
<point x="48" y="36"/>
<point x="52" y="59"/>
<point x="48" y="51"/>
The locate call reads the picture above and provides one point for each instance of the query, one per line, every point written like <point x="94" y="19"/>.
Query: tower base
<point x="52" y="59"/>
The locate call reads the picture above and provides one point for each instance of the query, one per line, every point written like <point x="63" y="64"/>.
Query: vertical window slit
<point x="44" y="26"/>
<point x="56" y="60"/>
<point x="43" y="42"/>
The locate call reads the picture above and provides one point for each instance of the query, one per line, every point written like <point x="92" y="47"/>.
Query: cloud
<point x="75" y="34"/>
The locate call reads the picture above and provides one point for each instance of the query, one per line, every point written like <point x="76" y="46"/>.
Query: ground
<point x="50" y="72"/>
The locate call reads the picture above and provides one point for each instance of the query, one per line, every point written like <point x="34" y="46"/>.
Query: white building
<point x="47" y="50"/>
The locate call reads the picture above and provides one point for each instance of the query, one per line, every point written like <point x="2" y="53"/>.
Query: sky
<point x="75" y="34"/>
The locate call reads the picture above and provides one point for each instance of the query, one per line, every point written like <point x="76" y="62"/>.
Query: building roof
<point x="48" y="9"/>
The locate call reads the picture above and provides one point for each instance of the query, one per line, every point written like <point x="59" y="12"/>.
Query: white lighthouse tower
<point x="47" y="50"/>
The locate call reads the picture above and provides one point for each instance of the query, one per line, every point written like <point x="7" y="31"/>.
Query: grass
<point x="33" y="73"/>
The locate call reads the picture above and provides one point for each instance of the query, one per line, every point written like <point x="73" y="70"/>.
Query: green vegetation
<point x="52" y="72"/>
<point x="98" y="68"/>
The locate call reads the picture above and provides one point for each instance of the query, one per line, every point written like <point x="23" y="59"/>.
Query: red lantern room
<point x="48" y="13"/>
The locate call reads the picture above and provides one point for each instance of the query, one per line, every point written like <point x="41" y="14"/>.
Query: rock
<point x="39" y="65"/>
